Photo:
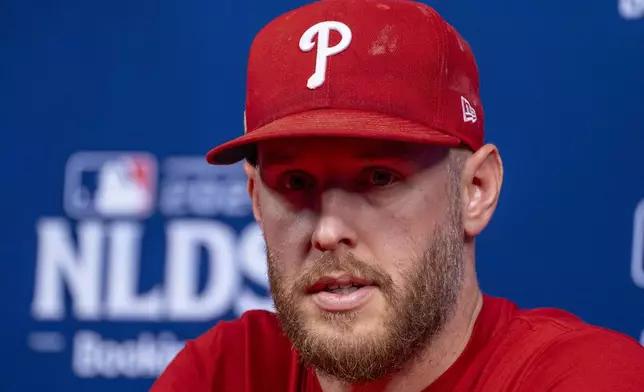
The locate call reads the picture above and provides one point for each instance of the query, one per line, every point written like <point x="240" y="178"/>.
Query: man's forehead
<point x="289" y="150"/>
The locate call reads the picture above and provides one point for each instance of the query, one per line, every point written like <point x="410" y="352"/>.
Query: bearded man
<point x="370" y="179"/>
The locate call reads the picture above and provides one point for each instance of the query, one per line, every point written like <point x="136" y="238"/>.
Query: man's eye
<point x="296" y="181"/>
<point x="382" y="178"/>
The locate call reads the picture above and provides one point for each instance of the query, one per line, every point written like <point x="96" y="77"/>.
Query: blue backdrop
<point x="119" y="242"/>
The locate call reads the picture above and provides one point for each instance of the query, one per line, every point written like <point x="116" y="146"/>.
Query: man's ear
<point x="481" y="181"/>
<point x="251" y="187"/>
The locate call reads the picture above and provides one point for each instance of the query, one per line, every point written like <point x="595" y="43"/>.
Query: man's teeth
<point x="342" y="289"/>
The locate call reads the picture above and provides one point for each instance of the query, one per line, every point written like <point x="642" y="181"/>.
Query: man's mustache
<point x="348" y="264"/>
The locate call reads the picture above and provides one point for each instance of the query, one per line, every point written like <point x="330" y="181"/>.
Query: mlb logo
<point x="110" y="185"/>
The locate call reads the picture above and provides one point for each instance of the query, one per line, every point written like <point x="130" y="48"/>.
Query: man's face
<point x="364" y="242"/>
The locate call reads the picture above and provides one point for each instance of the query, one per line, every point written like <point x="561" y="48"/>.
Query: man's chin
<point x="354" y="346"/>
<point x="360" y="322"/>
<point x="347" y="346"/>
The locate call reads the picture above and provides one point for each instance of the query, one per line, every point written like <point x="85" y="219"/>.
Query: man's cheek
<point x="294" y="238"/>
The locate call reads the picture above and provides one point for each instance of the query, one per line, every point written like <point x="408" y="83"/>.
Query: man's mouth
<point x="346" y="289"/>
<point x="341" y="293"/>
<point x="339" y="285"/>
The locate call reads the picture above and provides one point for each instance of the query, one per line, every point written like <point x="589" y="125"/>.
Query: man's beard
<point x="413" y="315"/>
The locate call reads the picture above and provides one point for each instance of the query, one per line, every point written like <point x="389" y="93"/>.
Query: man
<point x="370" y="179"/>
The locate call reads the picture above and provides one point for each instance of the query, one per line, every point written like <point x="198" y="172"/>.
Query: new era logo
<point x="469" y="114"/>
<point x="110" y="184"/>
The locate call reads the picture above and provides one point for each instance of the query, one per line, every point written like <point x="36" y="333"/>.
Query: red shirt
<point x="541" y="350"/>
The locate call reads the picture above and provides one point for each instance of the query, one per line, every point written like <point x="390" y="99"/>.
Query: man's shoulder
<point x="556" y="327"/>
<point x="556" y="332"/>
<point x="251" y="324"/>
<point x="552" y="349"/>
<point x="232" y="355"/>
<point x="588" y="357"/>
<point x="256" y="329"/>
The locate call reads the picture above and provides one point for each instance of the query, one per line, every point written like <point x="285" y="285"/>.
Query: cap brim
<point x="331" y="123"/>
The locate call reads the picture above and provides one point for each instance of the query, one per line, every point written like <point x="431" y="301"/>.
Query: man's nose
<point x="334" y="228"/>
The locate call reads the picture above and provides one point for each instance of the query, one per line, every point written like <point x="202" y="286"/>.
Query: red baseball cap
<point x="377" y="69"/>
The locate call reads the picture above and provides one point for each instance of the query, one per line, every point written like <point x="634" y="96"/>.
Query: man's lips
<point x="341" y="293"/>
<point x="333" y="282"/>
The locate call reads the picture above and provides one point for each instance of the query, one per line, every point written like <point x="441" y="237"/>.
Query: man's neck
<point x="437" y="357"/>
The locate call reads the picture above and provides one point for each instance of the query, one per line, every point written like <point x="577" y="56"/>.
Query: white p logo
<point x="323" y="30"/>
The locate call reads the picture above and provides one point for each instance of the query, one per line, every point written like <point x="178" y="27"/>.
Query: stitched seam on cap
<point x="442" y="36"/>
<point x="441" y="77"/>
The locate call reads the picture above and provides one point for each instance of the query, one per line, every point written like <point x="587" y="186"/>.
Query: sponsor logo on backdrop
<point x="631" y="9"/>
<point x="637" y="257"/>
<point x="143" y="242"/>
